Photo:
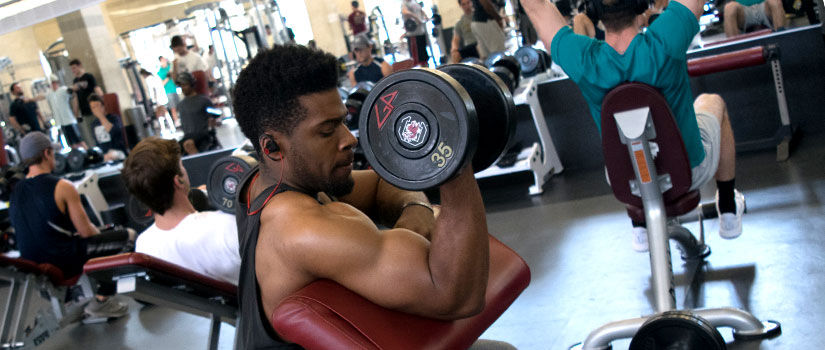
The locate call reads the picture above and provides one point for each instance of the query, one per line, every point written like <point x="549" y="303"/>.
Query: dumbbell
<point x="224" y="178"/>
<point x="421" y="126"/>
<point x="507" y="68"/>
<point x="75" y="160"/>
<point x="60" y="163"/>
<point x="354" y="101"/>
<point x="532" y="61"/>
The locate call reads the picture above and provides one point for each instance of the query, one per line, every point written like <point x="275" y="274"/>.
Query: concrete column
<point x="89" y="36"/>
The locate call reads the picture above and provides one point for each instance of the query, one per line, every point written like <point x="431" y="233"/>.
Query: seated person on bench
<point x="52" y="227"/>
<point x="108" y="129"/>
<point x="369" y="68"/>
<point x="195" y="118"/>
<point x="741" y="15"/>
<point x="656" y="57"/>
<point x="205" y="242"/>
<point x="292" y="234"/>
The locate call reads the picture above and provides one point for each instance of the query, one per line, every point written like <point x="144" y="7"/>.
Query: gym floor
<point x="576" y="240"/>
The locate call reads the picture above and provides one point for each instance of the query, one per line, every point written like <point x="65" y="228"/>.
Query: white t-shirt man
<point x="190" y="62"/>
<point x="205" y="242"/>
<point x="59" y="101"/>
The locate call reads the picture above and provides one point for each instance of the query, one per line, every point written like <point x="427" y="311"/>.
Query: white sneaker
<point x="111" y="308"/>
<point x="640" y="239"/>
<point x="730" y="224"/>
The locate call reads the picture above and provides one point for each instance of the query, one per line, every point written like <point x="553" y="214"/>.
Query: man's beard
<point x="314" y="183"/>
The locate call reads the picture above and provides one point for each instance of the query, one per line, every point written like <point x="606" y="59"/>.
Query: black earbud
<point x="271" y="146"/>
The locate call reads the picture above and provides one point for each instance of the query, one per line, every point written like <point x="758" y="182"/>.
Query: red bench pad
<point x="161" y="272"/>
<point x="325" y="315"/>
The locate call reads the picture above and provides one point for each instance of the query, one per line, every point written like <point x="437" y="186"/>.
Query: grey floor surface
<point x="576" y="240"/>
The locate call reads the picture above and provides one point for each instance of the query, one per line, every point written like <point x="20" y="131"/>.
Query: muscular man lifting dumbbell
<point x="286" y="102"/>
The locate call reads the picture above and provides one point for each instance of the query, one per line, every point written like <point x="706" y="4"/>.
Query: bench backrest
<point x="672" y="158"/>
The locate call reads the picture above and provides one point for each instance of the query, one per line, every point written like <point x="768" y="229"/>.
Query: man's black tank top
<point x="371" y="72"/>
<point x="254" y="329"/>
<point x="44" y="234"/>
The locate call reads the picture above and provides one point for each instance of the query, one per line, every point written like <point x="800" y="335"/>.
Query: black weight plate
<point x="548" y="61"/>
<point x="415" y="128"/>
<point x="494" y="108"/>
<point x="139" y="212"/>
<point x="75" y="160"/>
<point x="512" y="64"/>
<point x="506" y="76"/>
<point x="199" y="200"/>
<point x="677" y="330"/>
<point x="60" y="163"/>
<point x="94" y="156"/>
<point x="225" y="176"/>
<point x="493" y="58"/>
<point x="529" y="60"/>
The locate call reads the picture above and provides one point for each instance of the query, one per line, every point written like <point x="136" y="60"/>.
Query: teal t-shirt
<point x="169" y="87"/>
<point x="657" y="57"/>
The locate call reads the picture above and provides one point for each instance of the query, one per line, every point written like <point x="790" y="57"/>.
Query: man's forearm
<point x="459" y="256"/>
<point x="391" y="200"/>
<point x="16" y="125"/>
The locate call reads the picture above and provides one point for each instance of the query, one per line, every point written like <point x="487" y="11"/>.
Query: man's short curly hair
<point x="149" y="172"/>
<point x="266" y="93"/>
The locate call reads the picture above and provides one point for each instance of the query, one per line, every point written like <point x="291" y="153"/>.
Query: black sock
<point x="727" y="204"/>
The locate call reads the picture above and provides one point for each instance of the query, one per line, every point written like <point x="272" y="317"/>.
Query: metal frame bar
<point x="140" y="288"/>
<point x="9" y="309"/>
<point x="542" y="158"/>
<point x="636" y="135"/>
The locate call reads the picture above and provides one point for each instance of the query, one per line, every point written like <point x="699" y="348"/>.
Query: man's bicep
<point x="387" y="267"/>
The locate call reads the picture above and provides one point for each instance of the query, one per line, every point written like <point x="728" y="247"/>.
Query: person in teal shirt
<point x="741" y="15"/>
<point x="169" y="87"/>
<point x="657" y="57"/>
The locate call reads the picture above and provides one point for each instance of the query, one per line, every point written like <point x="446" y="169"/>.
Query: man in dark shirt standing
<point x="357" y="20"/>
<point x="24" y="115"/>
<point x="84" y="85"/>
<point x="108" y="130"/>
<point x="195" y="118"/>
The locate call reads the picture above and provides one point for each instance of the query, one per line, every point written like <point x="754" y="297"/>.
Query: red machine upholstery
<point x="403" y="65"/>
<point x="54" y="274"/>
<point x="753" y="56"/>
<point x="741" y="37"/>
<point x="104" y="268"/>
<point x="325" y="315"/>
<point x="672" y="157"/>
<point x="201" y="82"/>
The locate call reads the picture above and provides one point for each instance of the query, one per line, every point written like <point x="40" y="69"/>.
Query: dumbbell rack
<point x="541" y="157"/>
